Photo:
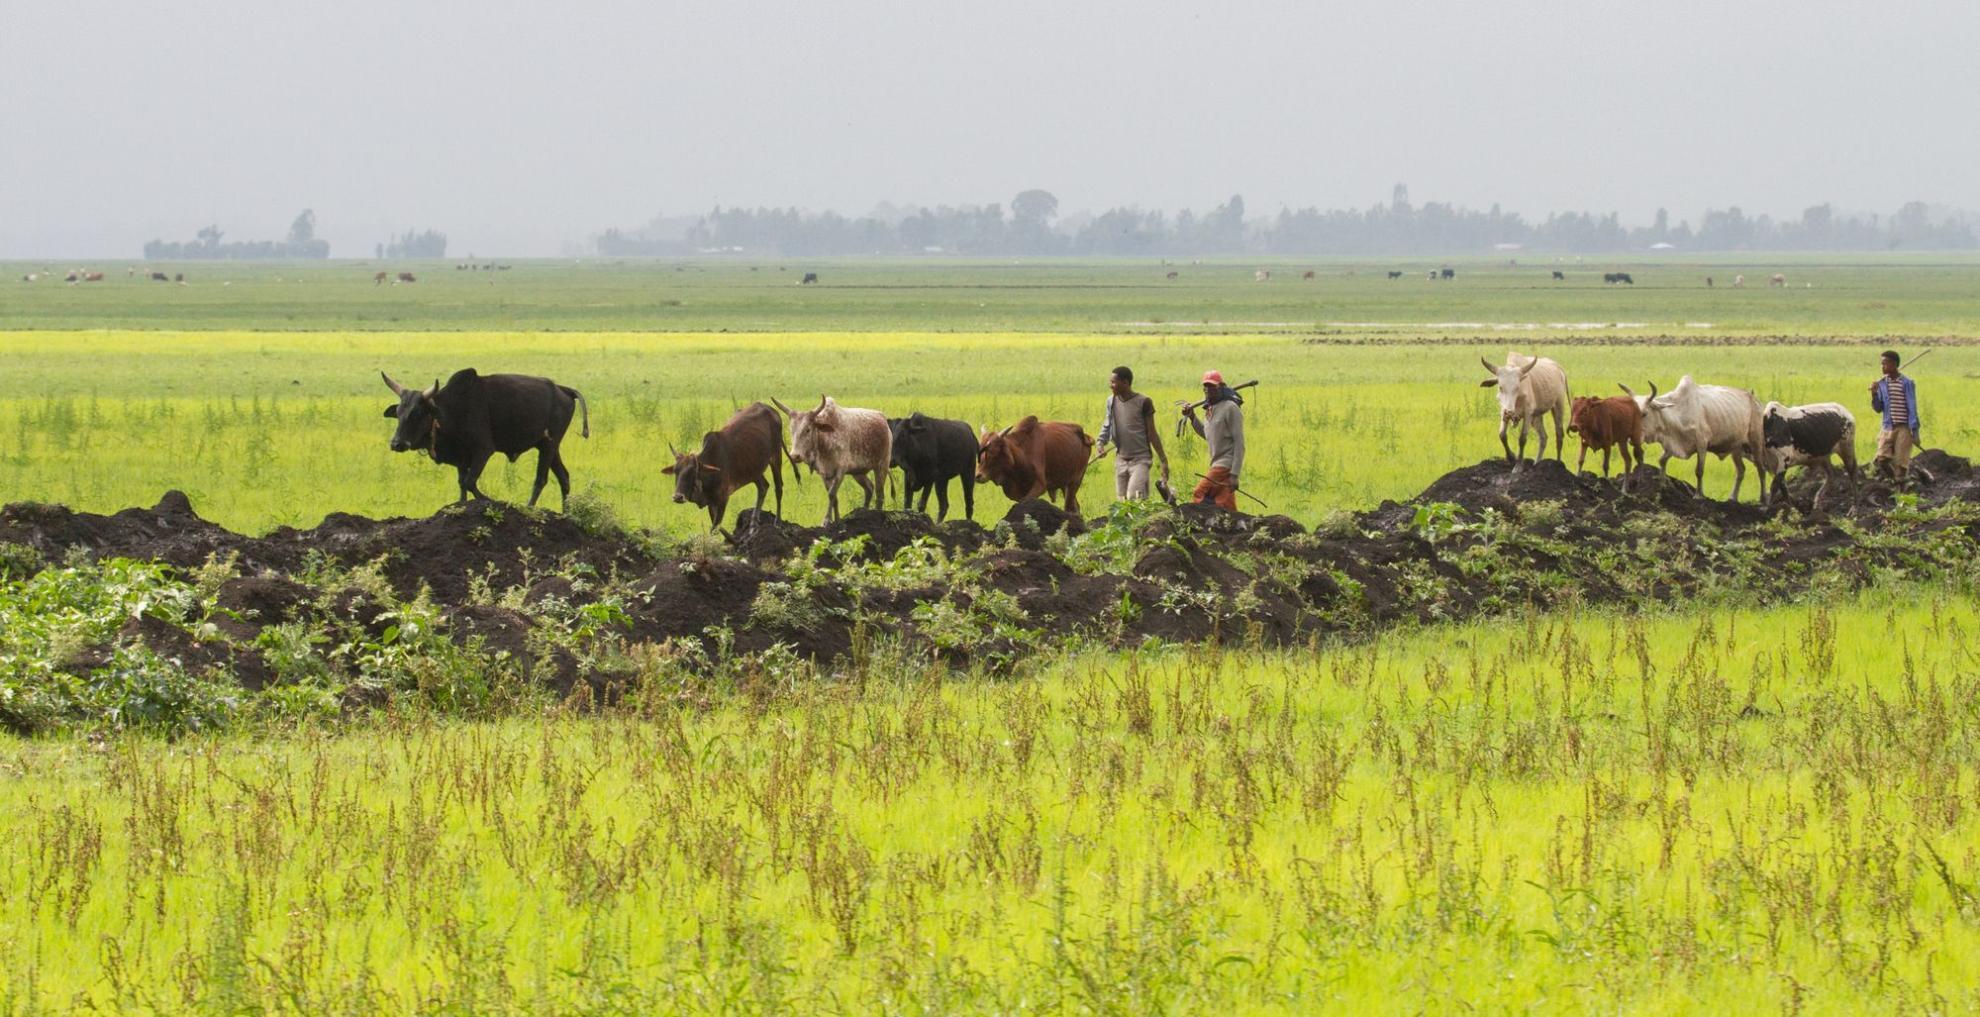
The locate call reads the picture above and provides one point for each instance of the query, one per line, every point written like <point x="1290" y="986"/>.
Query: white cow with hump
<point x="1692" y="419"/>
<point x="1529" y="389"/>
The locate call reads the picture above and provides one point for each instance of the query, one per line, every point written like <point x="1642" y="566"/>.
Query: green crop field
<point x="1708" y="813"/>
<point x="1691" y="807"/>
<point x="1865" y="295"/>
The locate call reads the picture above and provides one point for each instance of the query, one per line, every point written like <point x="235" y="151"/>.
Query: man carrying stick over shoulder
<point x="1896" y="398"/>
<point x="1224" y="431"/>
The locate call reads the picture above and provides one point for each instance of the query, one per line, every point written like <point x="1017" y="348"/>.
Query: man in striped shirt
<point x="1896" y="398"/>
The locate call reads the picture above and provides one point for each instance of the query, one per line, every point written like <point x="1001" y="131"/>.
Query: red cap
<point x="1210" y="377"/>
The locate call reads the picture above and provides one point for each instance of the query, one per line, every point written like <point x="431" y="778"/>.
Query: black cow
<point x="929" y="452"/>
<point x="731" y="457"/>
<point x="1558" y="274"/>
<point x="1449" y="273"/>
<point x="1617" y="277"/>
<point x="475" y="416"/>
<point x="1808" y="436"/>
<point x="159" y="277"/>
<point x="1393" y="274"/>
<point x="809" y="278"/>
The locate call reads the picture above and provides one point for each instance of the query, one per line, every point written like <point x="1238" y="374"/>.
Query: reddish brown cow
<point x="1031" y="459"/>
<point x="737" y="454"/>
<point x="1604" y="424"/>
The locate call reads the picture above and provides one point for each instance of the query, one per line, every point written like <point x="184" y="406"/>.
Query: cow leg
<point x="1560" y="437"/>
<point x="470" y="477"/>
<point x="762" y="492"/>
<point x="941" y="499"/>
<point x="969" y="495"/>
<point x="542" y="474"/>
<point x="1605" y="460"/>
<point x="1502" y="439"/>
<point x="866" y="489"/>
<point x="777" y="474"/>
<point x="1582" y="459"/>
<point x="832" y="497"/>
<point x="563" y="475"/>
<point x="1072" y="497"/>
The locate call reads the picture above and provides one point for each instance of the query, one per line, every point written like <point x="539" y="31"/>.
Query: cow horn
<point x="1530" y="365"/>
<point x="436" y="388"/>
<point x="393" y="385"/>
<point x="786" y="410"/>
<point x="1653" y="390"/>
<point x="1626" y="390"/>
<point x="1488" y="365"/>
<point x="672" y="451"/>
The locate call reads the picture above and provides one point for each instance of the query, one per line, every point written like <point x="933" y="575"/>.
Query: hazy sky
<point x="522" y="128"/>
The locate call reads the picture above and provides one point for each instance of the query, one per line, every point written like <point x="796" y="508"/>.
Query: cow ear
<point x="392" y="410"/>
<point x="1489" y="383"/>
<point x="669" y="470"/>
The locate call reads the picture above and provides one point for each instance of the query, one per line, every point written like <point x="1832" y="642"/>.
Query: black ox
<point x="930" y="452"/>
<point x="475" y="416"/>
<point x="1808" y="436"/>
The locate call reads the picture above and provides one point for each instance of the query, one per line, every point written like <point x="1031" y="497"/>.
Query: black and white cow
<point x="1808" y="436"/>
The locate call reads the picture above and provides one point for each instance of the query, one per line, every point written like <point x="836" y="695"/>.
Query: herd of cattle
<point x="1687" y="422"/>
<point x="472" y="417"/>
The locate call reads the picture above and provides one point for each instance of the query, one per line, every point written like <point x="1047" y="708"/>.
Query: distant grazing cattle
<point x="72" y="277"/>
<point x="809" y="278"/>
<point x="379" y="279"/>
<point x="1261" y="275"/>
<point x="1739" y="282"/>
<point x="1808" y="436"/>
<point x="405" y="277"/>
<point x="1395" y="274"/>
<point x="92" y="277"/>
<point x="460" y="268"/>
<point x="1694" y="419"/>
<point x="1173" y="276"/>
<point x="1033" y="459"/>
<point x="930" y="452"/>
<point x="1308" y="275"/>
<point x="475" y="416"/>
<point x="1777" y="280"/>
<point x="1605" y="425"/>
<point x="1530" y="388"/>
<point x="1708" y="282"/>
<point x="841" y="441"/>
<point x="1559" y="275"/>
<point x="1449" y="273"/>
<point x="503" y="268"/>
<point x="179" y="277"/>
<point x="1617" y="277"/>
<point x="738" y="454"/>
<point x="159" y="277"/>
<point x="31" y="277"/>
<point x="1431" y="275"/>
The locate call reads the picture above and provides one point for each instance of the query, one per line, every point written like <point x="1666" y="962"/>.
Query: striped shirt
<point x="1900" y="411"/>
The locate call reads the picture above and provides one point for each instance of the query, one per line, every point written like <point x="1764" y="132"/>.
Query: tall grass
<point x="1769" y="810"/>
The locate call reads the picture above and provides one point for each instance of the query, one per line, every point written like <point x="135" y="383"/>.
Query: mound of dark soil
<point x="168" y="532"/>
<point x="1035" y="519"/>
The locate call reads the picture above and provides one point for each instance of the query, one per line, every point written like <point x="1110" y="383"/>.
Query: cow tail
<point x="583" y="407"/>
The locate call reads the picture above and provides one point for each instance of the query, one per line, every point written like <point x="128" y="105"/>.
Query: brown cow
<point x="729" y="458"/>
<point x="1604" y="424"/>
<point x="92" y="277"/>
<point x="842" y="441"/>
<point x="379" y="279"/>
<point x="1308" y="275"/>
<point x="406" y="277"/>
<point x="1031" y="460"/>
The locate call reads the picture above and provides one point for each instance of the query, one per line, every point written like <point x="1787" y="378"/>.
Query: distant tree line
<point x="429" y="244"/>
<point x="1032" y="226"/>
<point x="208" y="245"/>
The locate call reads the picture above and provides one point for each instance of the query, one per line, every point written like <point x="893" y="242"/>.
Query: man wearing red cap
<point x="1224" y="430"/>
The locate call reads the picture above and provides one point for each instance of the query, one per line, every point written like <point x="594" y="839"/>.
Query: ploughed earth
<point x="534" y="589"/>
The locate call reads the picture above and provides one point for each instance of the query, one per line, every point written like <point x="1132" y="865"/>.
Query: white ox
<point x="1692" y="419"/>
<point x="840" y="441"/>
<point x="1529" y="389"/>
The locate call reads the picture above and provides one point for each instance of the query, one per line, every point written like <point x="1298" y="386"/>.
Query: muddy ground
<point x="1480" y="540"/>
